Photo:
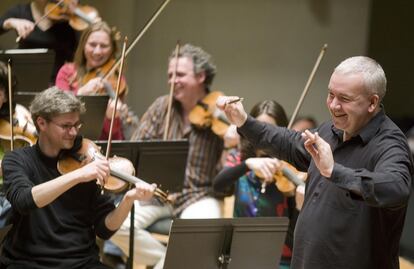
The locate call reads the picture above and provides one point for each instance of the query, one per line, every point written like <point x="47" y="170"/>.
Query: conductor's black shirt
<point x="338" y="228"/>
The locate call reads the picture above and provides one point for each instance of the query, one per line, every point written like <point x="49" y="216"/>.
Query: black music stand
<point x="92" y="119"/>
<point x="163" y="162"/>
<point x="241" y="243"/>
<point x="32" y="67"/>
<point x="94" y="116"/>
<point x="157" y="161"/>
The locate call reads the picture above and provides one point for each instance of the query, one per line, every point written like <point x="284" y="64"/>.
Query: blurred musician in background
<point x="94" y="56"/>
<point x="58" y="36"/>
<point x="194" y="75"/>
<point x="24" y="127"/>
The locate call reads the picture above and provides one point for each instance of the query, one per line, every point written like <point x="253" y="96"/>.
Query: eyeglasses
<point x="68" y="127"/>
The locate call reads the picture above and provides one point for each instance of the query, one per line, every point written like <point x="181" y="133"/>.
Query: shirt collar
<point x="369" y="130"/>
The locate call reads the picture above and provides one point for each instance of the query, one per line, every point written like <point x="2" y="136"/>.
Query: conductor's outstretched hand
<point x="233" y="108"/>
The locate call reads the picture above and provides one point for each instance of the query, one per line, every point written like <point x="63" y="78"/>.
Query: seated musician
<point x="258" y="196"/>
<point x="95" y="54"/>
<point x="56" y="217"/>
<point x="25" y="131"/>
<point x="56" y="35"/>
<point x="194" y="76"/>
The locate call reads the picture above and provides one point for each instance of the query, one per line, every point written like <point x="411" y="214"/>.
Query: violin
<point x="24" y="131"/>
<point x="79" y="16"/>
<point x="206" y="114"/>
<point x="121" y="169"/>
<point x="110" y="80"/>
<point x="287" y="178"/>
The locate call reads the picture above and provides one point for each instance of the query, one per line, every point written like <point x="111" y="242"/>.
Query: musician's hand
<point x="98" y="169"/>
<point x="320" y="151"/>
<point x="92" y="87"/>
<point x="300" y="196"/>
<point x="142" y="191"/>
<point x="23" y="27"/>
<point x="72" y="5"/>
<point x="121" y="109"/>
<point x="231" y="138"/>
<point x="235" y="112"/>
<point x="264" y="168"/>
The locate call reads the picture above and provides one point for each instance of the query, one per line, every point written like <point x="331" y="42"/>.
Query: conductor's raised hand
<point x="235" y="112"/>
<point x="320" y="151"/>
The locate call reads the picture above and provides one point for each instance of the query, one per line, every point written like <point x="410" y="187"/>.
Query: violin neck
<point x="126" y="177"/>
<point x="292" y="176"/>
<point x="78" y="12"/>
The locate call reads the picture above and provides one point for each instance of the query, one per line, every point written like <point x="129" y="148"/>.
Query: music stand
<point x="24" y="98"/>
<point x="32" y="67"/>
<point x="163" y="162"/>
<point x="147" y="158"/>
<point x="94" y="116"/>
<point x="241" y="243"/>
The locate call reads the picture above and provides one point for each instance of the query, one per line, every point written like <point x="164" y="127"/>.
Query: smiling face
<point x="98" y="49"/>
<point x="350" y="104"/>
<point x="59" y="132"/>
<point x="189" y="87"/>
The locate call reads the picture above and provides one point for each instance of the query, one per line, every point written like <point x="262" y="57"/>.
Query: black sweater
<point x="59" y="235"/>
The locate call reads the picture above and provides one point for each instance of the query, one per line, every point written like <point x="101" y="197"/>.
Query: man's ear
<point x="41" y="123"/>
<point x="374" y="103"/>
<point x="201" y="77"/>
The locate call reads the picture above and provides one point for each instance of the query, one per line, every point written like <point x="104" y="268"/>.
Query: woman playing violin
<point x="97" y="49"/>
<point x="239" y="176"/>
<point x="56" y="217"/>
<point x="35" y="32"/>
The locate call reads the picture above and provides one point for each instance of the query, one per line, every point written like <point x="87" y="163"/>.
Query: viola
<point x="79" y="16"/>
<point x="121" y="169"/>
<point x="206" y="114"/>
<point x="287" y="177"/>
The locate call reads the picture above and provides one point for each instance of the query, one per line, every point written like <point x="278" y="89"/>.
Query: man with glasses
<point x="56" y="218"/>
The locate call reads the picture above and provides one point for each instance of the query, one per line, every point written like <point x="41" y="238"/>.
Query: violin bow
<point x="108" y="148"/>
<point x="308" y="83"/>
<point x="172" y="87"/>
<point x="9" y="78"/>
<point x="138" y="37"/>
<point x="43" y="17"/>
<point x="302" y="97"/>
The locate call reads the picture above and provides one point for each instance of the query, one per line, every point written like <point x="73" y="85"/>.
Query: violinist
<point x="97" y="49"/>
<point x="22" y="118"/>
<point x="239" y="177"/>
<point x="56" y="217"/>
<point x="58" y="36"/>
<point x="194" y="75"/>
<point x="359" y="172"/>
